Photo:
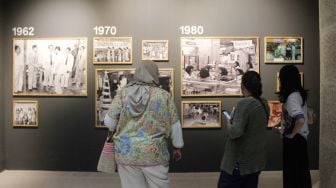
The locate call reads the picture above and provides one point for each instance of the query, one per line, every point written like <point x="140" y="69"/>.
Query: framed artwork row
<point x="213" y="66"/>
<point x="25" y="113"/>
<point x="50" y="67"/>
<point x="210" y="66"/>
<point x="109" y="81"/>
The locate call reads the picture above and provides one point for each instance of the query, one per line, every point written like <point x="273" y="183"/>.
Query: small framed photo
<point x="278" y="81"/>
<point x="50" y="66"/>
<point x="110" y="81"/>
<point x="25" y="113"/>
<point x="112" y="50"/>
<point x="201" y="114"/>
<point x="156" y="50"/>
<point x="275" y="113"/>
<point x="213" y="66"/>
<point x="283" y="50"/>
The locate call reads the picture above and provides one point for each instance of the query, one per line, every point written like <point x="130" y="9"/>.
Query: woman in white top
<point x="294" y="128"/>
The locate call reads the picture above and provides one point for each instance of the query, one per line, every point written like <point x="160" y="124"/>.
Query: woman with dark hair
<point x="245" y="151"/>
<point x="294" y="128"/>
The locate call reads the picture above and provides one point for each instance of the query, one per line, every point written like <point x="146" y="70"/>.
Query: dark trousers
<point x="238" y="181"/>
<point x="296" y="172"/>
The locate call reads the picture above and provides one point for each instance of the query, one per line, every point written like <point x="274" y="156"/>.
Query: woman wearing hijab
<point x="143" y="116"/>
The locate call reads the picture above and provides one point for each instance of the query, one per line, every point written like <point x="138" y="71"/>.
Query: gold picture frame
<point x="25" y="113"/>
<point x="155" y="50"/>
<point x="50" y="66"/>
<point x="283" y="50"/>
<point x="112" y="50"/>
<point x="217" y="63"/>
<point x="201" y="114"/>
<point x="108" y="81"/>
<point x="278" y="81"/>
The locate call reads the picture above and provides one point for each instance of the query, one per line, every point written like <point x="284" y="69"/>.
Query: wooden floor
<point x="57" y="179"/>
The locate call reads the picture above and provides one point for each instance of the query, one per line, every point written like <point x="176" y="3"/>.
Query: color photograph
<point x="283" y="50"/>
<point x="275" y="113"/>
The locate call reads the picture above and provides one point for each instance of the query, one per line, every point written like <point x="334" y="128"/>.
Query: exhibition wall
<point x="66" y="137"/>
<point x="2" y="153"/>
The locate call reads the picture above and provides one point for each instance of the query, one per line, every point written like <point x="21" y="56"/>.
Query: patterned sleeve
<point x="172" y="112"/>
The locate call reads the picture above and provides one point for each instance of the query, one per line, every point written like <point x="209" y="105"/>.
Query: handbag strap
<point x="109" y="136"/>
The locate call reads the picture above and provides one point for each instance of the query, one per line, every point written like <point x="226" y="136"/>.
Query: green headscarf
<point x="138" y="92"/>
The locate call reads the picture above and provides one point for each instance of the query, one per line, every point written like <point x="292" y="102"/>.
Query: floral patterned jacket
<point x="142" y="140"/>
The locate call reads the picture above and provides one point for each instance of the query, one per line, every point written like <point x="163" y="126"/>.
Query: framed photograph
<point x="156" y="50"/>
<point x="283" y="50"/>
<point x="275" y="113"/>
<point x="213" y="66"/>
<point x="278" y="81"/>
<point x="50" y="67"/>
<point x="201" y="114"/>
<point x="109" y="81"/>
<point x="25" y="113"/>
<point x="112" y="50"/>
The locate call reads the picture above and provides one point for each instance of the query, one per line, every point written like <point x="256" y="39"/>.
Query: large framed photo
<point x="283" y="50"/>
<point x="275" y="113"/>
<point x="50" y="66"/>
<point x="156" y="50"/>
<point x="109" y="81"/>
<point x="213" y="66"/>
<point x="201" y="114"/>
<point x="112" y="50"/>
<point x="278" y="81"/>
<point x="25" y="113"/>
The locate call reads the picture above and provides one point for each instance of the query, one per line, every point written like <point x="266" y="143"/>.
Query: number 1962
<point x="23" y="31"/>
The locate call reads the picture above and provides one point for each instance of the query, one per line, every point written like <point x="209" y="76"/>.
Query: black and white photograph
<point x="112" y="50"/>
<point x="156" y="50"/>
<point x="201" y="114"/>
<point x="283" y="50"/>
<point x="50" y="67"/>
<point x="213" y="66"/>
<point x="278" y="81"/>
<point x="25" y="113"/>
<point x="110" y="81"/>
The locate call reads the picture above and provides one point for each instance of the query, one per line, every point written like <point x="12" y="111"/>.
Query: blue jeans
<point x="238" y="181"/>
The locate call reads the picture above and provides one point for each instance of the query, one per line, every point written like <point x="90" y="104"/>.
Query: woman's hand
<point x="177" y="154"/>
<point x="277" y="128"/>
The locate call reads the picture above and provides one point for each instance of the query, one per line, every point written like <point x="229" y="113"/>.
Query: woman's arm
<point x="297" y="127"/>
